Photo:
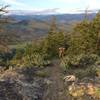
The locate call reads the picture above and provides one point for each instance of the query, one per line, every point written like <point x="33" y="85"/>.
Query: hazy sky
<point x="62" y="6"/>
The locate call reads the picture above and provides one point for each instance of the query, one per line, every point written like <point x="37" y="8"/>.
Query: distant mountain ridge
<point x="59" y="17"/>
<point x="53" y="11"/>
<point x="28" y="27"/>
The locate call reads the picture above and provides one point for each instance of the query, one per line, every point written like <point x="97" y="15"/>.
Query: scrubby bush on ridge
<point x="83" y="45"/>
<point x="78" y="61"/>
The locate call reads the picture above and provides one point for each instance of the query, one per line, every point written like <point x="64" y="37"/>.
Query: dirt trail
<point x="56" y="90"/>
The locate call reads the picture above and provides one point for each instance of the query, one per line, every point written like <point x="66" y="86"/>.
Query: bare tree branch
<point x="3" y="9"/>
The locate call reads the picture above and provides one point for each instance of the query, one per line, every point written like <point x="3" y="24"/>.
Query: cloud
<point x="94" y="4"/>
<point x="18" y="5"/>
<point x="69" y="1"/>
<point x="75" y="6"/>
<point x="12" y="2"/>
<point x="63" y="5"/>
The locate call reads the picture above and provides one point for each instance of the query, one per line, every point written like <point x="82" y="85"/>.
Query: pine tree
<point x="85" y="37"/>
<point x="96" y="30"/>
<point x="54" y="40"/>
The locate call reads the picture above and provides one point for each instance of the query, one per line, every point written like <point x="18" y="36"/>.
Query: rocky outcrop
<point x="85" y="89"/>
<point x="21" y="84"/>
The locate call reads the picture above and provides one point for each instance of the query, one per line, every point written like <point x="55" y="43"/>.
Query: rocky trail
<point x="38" y="84"/>
<point x="26" y="84"/>
<point x="56" y="89"/>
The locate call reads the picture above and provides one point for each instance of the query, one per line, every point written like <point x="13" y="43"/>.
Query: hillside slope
<point x="28" y="27"/>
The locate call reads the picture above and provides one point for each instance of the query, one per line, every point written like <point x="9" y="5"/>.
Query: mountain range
<point x="27" y="27"/>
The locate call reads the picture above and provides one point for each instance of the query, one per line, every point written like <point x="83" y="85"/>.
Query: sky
<point x="62" y="6"/>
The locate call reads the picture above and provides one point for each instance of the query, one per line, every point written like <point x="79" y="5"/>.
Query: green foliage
<point x="35" y="56"/>
<point x="81" y="40"/>
<point x="98" y="71"/>
<point x="30" y="56"/>
<point x="2" y="62"/>
<point x="39" y="60"/>
<point x="5" y="57"/>
<point x="79" y="61"/>
<point x="42" y="73"/>
<point x="83" y="47"/>
<point x="65" y="63"/>
<point x="53" y="40"/>
<point x="52" y="43"/>
<point x="97" y="92"/>
<point x="19" y="54"/>
<point x="90" y="59"/>
<point x="90" y="71"/>
<point x="85" y="37"/>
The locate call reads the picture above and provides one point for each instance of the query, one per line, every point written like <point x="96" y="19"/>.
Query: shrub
<point x="88" y="72"/>
<point x="98" y="71"/>
<point x="65" y="63"/>
<point x="97" y="93"/>
<point x="42" y="73"/>
<point x="29" y="56"/>
<point x="35" y="59"/>
<point x="5" y="58"/>
<point x="39" y="60"/>
<point x="88" y="59"/>
<point x="82" y="61"/>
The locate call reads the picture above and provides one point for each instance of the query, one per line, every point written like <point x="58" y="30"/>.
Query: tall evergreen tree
<point x="85" y="37"/>
<point x="54" y="39"/>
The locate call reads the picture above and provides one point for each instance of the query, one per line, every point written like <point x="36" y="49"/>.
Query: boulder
<point x="69" y="78"/>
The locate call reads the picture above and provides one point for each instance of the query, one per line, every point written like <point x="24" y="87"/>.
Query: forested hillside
<point x="27" y="27"/>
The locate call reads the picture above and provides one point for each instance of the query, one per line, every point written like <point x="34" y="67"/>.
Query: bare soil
<point x="56" y="90"/>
